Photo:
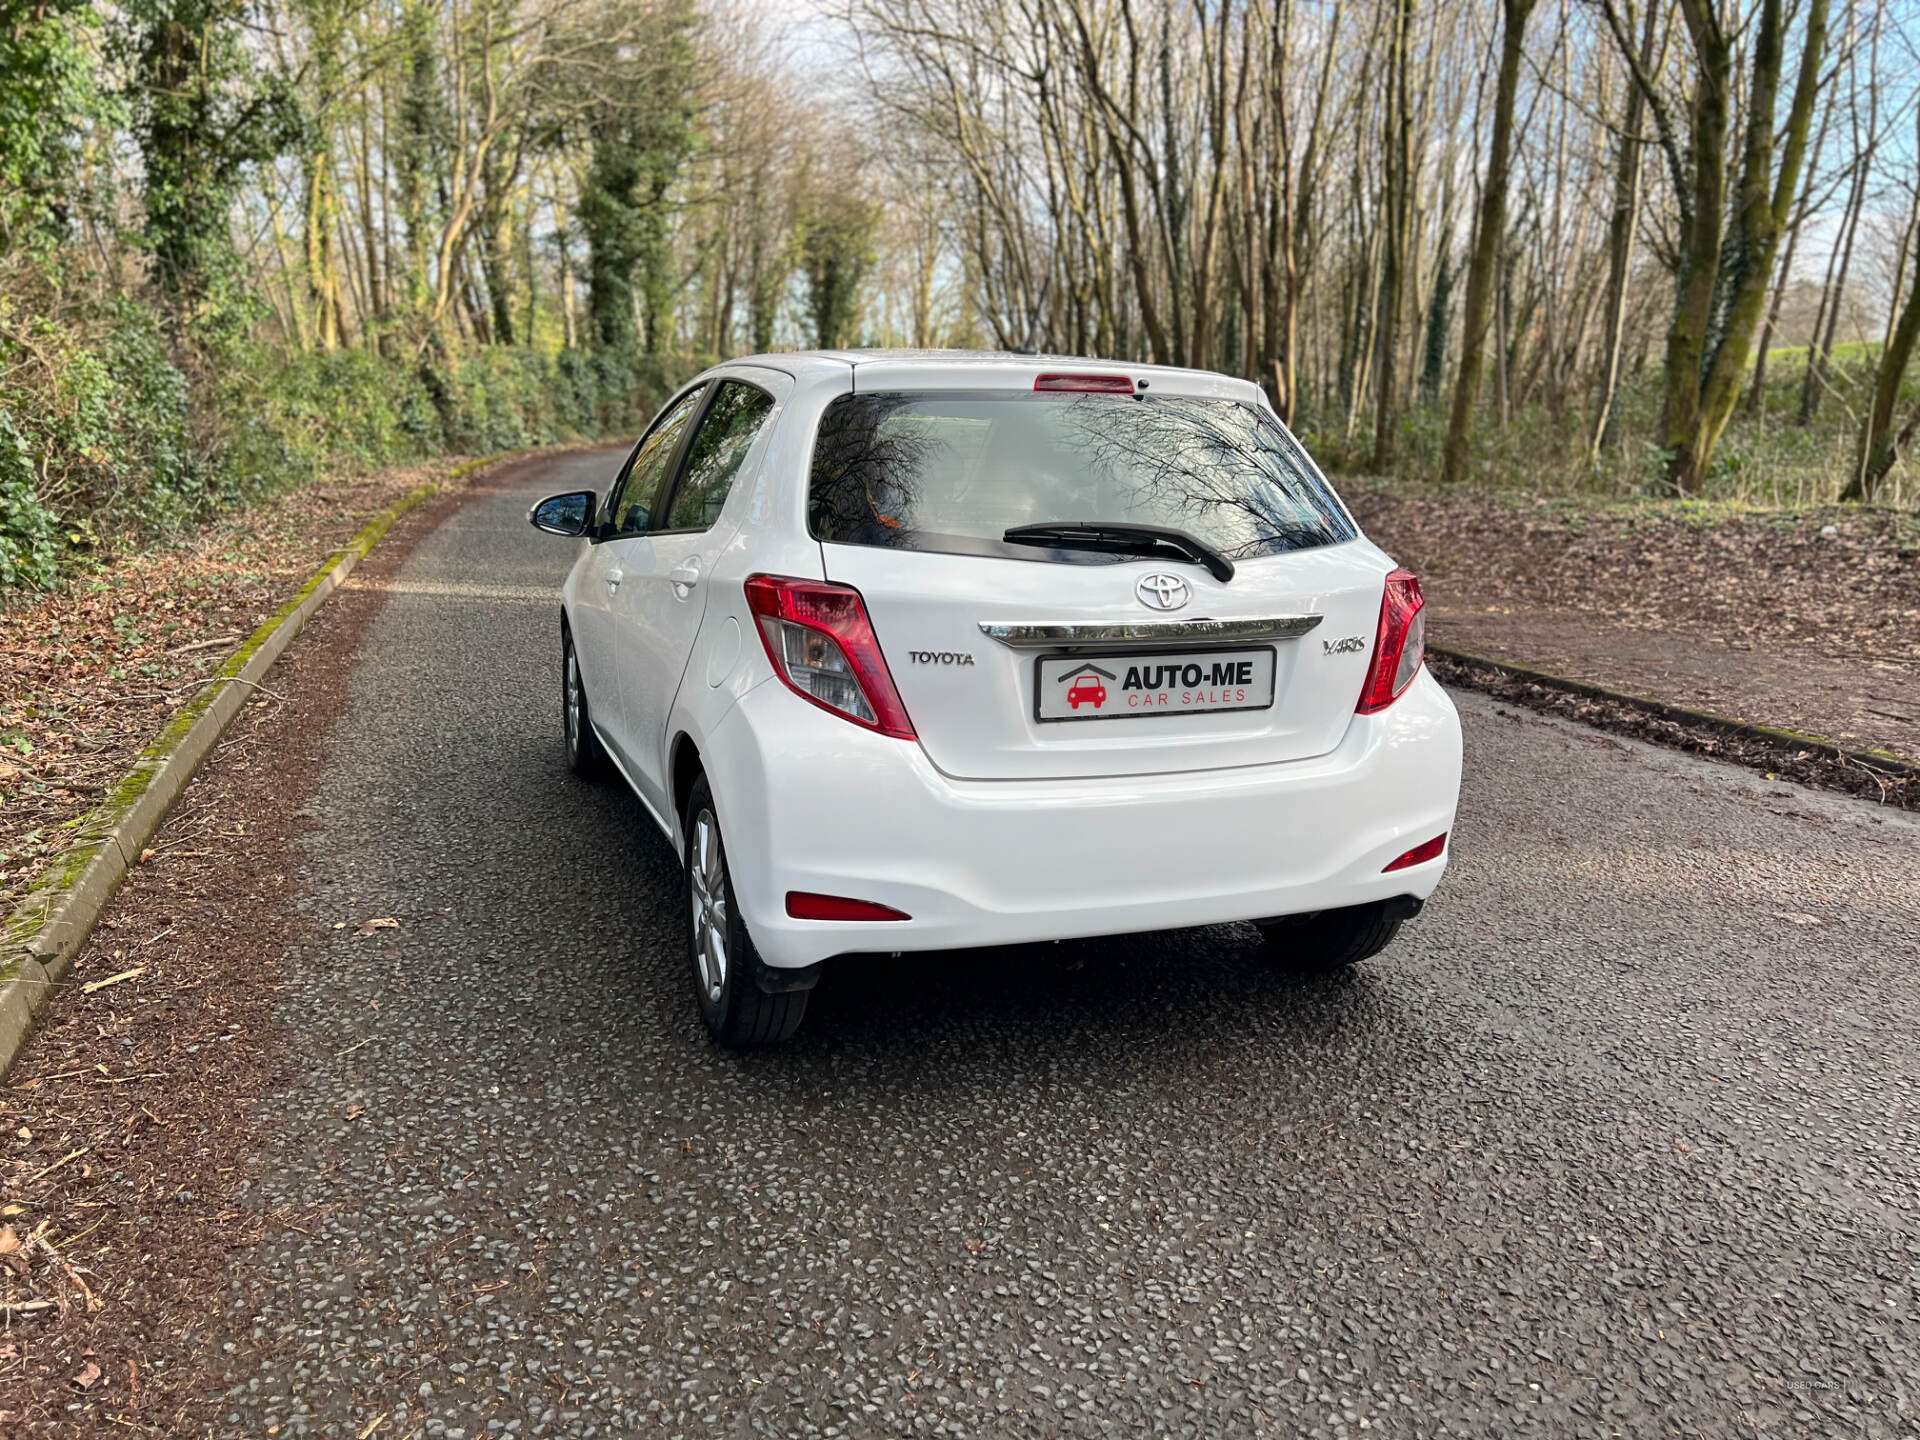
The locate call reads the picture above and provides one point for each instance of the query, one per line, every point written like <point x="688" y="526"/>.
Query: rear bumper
<point x="809" y="802"/>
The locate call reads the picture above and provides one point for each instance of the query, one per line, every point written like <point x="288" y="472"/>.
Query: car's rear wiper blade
<point x="1123" y="537"/>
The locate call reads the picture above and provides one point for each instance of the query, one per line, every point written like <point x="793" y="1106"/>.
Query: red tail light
<point x="1098" y="384"/>
<point x="823" y="647"/>
<point x="1400" y="646"/>
<point x="805" y="905"/>
<point x="1419" y="854"/>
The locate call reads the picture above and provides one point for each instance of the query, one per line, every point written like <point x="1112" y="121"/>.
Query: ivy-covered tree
<point x="47" y="92"/>
<point x="201" y="114"/>
<point x="419" y="146"/>
<point x="836" y="252"/>
<point x="642" y="133"/>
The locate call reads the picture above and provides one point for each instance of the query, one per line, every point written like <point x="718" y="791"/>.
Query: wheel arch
<point x="684" y="766"/>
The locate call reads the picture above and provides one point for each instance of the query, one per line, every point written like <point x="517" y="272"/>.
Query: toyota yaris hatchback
<point x="916" y="651"/>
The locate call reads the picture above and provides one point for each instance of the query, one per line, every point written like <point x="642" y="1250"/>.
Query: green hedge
<point x="110" y="436"/>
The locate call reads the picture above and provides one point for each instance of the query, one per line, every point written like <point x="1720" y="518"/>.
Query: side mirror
<point x="569" y="514"/>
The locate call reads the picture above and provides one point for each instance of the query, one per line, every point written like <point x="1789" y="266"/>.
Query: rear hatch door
<point x="983" y="708"/>
<point x="1021" y="660"/>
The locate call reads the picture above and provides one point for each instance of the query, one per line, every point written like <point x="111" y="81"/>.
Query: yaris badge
<point x="1161" y="591"/>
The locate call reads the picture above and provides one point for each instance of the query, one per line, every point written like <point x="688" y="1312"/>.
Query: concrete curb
<point x="51" y="924"/>
<point x="1788" y="739"/>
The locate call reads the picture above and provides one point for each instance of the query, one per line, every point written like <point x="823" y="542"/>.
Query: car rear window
<point x="952" y="472"/>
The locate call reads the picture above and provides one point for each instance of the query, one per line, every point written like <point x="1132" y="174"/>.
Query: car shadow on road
<point x="1116" y="993"/>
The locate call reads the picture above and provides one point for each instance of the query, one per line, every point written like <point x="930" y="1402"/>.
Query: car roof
<point x="875" y="368"/>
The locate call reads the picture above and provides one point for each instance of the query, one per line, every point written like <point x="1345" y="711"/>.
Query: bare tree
<point x="1489" y="236"/>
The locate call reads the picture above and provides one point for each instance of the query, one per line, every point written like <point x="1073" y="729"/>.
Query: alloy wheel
<point x="707" y="875"/>
<point x="572" y="701"/>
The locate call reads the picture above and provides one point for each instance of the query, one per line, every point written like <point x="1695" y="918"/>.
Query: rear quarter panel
<point x="768" y="501"/>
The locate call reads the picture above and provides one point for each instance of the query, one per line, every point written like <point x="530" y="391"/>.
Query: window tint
<point x="714" y="458"/>
<point x="650" y="461"/>
<point x="953" y="472"/>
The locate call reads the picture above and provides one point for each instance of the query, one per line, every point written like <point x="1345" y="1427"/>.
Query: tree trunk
<point x="1756" y="392"/>
<point x="496" y="259"/>
<point x="1756" y="397"/>
<point x="369" y="226"/>
<point x="1439" y="317"/>
<point x="1700" y="247"/>
<point x="1489" y="233"/>
<point x="1765" y="201"/>
<point x="1877" y="454"/>
<point x="1399" y="161"/>
<point x="1621" y="225"/>
<point x="1813" y="383"/>
<point x="323" y="291"/>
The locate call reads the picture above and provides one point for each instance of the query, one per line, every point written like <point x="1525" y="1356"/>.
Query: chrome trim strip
<point x="1044" y="635"/>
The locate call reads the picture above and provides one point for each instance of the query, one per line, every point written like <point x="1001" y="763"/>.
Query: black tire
<point x="1328" y="941"/>
<point x="585" y="757"/>
<point x="738" y="1012"/>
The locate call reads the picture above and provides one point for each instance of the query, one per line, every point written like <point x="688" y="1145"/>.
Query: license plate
<point x="1115" y="687"/>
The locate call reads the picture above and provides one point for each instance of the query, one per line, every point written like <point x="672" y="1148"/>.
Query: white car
<point x="913" y="651"/>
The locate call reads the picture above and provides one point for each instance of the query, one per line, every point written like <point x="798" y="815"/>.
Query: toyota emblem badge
<point x="1161" y="591"/>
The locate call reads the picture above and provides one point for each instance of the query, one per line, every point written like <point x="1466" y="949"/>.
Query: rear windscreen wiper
<point x="1121" y="537"/>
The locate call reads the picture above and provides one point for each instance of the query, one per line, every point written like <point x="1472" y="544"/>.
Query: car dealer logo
<point x="1161" y="591"/>
<point x="1086" y="687"/>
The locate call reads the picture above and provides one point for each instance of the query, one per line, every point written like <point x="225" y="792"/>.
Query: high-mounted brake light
<point x="1098" y="384"/>
<point x="805" y="905"/>
<point x="823" y="647"/>
<point x="1418" y="855"/>
<point x="1399" y="647"/>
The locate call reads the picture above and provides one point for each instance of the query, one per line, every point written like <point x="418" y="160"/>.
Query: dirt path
<point x="1871" y="704"/>
<point x="1807" y="622"/>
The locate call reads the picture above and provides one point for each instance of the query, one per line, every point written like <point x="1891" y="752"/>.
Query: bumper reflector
<point x="1418" y="855"/>
<point x="805" y="905"/>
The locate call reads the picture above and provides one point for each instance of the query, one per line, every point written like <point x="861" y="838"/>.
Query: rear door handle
<point x="614" y="577"/>
<point x="684" y="576"/>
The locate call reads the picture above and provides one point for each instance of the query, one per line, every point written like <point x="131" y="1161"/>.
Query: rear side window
<point x="953" y="472"/>
<point x="719" y="447"/>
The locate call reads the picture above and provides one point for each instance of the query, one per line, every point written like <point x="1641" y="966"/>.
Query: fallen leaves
<point x="1841" y="577"/>
<point x="384" y="922"/>
<point x="88" y="1376"/>
<point x="166" y="1093"/>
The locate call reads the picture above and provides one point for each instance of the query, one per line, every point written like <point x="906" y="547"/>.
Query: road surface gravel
<point x="1622" y="1137"/>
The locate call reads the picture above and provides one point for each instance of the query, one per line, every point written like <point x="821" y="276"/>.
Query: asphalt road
<point x="1622" y="1137"/>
